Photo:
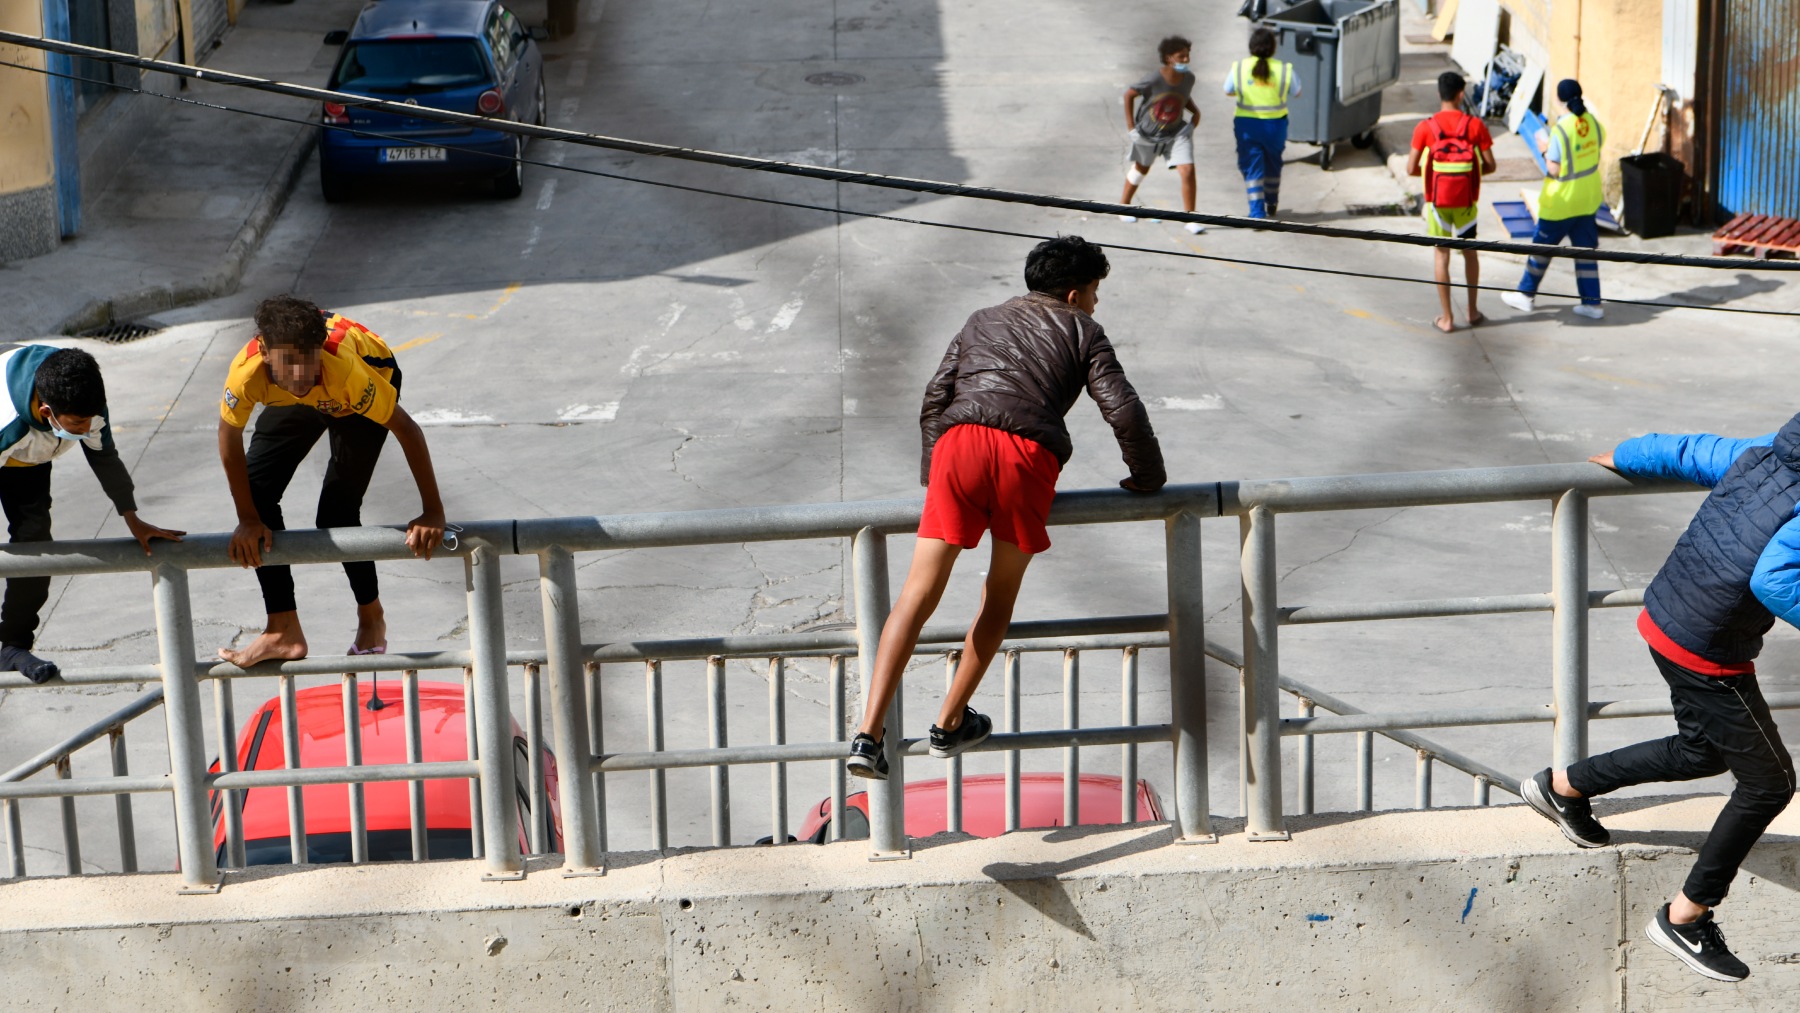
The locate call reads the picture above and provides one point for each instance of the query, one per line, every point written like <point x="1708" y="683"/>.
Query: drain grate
<point x="120" y="332"/>
<point x="834" y="78"/>
<point x="1379" y="210"/>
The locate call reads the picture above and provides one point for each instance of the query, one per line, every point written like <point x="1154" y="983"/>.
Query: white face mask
<point x="63" y="434"/>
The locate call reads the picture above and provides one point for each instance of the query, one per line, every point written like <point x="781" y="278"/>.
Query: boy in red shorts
<point x="994" y="443"/>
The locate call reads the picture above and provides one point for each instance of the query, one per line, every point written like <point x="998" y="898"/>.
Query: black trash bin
<point x="1652" y="194"/>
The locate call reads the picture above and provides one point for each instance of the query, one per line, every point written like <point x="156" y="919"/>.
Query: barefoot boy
<point x="315" y="374"/>
<point x="994" y="444"/>
<point x="54" y="399"/>
<point x="1731" y="574"/>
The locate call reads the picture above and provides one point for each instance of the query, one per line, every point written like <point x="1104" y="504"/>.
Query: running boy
<point x="315" y="374"/>
<point x="1157" y="125"/>
<point x="55" y="399"/>
<point x="994" y="443"/>
<point x="1735" y="569"/>
<point x="1453" y="150"/>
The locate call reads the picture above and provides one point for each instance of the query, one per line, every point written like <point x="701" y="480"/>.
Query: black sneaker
<point x="1573" y="816"/>
<point x="867" y="758"/>
<point x="973" y="731"/>
<point x="27" y="664"/>
<point x="1699" y="944"/>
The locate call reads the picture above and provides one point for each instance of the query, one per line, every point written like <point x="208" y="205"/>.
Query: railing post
<point x="537" y="834"/>
<point x="778" y="794"/>
<point x="1187" y="677"/>
<point x="718" y="736"/>
<point x="298" y="850"/>
<point x="1128" y="716"/>
<point x="1422" y="781"/>
<point x="1365" y="771"/>
<point x="1261" y="679"/>
<point x="1305" y="788"/>
<point x="15" y="838"/>
<point x="580" y="796"/>
<point x="187" y="731"/>
<point x="415" y="752"/>
<point x="839" y="776"/>
<point x="359" y="819"/>
<point x="231" y="803"/>
<point x="493" y="716"/>
<point x="1569" y="591"/>
<point x="1072" y="754"/>
<point x="71" y="831"/>
<point x="887" y="803"/>
<point x="122" y="802"/>
<point x="659" y="794"/>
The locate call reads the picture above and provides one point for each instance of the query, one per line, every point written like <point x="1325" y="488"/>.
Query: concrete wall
<point x="28" y="224"/>
<point x="1451" y="909"/>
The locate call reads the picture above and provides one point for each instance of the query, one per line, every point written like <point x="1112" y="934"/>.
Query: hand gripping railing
<point x="571" y="667"/>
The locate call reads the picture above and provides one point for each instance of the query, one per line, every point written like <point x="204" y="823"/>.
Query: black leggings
<point x="1722" y="724"/>
<point x="25" y="496"/>
<point x="283" y="438"/>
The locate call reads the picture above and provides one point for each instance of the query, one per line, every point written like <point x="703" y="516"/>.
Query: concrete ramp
<point x="1469" y="909"/>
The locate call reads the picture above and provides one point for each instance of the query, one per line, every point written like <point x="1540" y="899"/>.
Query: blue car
<point x="470" y="56"/>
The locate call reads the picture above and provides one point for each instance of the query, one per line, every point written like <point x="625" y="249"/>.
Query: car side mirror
<point x="540" y="33"/>
<point x="337" y="37"/>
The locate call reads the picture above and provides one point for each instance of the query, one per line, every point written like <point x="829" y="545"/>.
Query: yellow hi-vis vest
<point x="1263" y="100"/>
<point x="1575" y="189"/>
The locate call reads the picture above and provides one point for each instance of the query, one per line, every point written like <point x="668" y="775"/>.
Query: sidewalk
<point x="178" y="223"/>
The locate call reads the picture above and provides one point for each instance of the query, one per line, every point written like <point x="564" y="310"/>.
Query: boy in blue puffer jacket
<point x="1735" y="569"/>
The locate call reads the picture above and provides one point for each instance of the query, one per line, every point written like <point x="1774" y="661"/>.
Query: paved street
<point x="601" y="346"/>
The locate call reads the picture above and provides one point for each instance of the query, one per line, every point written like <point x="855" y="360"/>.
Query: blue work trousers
<point x="1581" y="231"/>
<point x="1259" y="147"/>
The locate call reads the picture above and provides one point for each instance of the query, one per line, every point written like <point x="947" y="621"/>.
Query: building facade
<point x="63" y="135"/>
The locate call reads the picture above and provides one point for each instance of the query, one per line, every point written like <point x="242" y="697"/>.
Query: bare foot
<point x="1444" y="324"/>
<point x="371" y="629"/>
<point x="1476" y="318"/>
<point x="272" y="645"/>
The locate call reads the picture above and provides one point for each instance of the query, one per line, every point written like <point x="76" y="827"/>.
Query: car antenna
<point x="375" y="701"/>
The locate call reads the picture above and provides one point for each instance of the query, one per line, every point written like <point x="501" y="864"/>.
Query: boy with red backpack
<point x="1453" y="149"/>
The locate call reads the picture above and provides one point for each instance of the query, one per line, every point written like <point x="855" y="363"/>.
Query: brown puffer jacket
<point x="1020" y="366"/>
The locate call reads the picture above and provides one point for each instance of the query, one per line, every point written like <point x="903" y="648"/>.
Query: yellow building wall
<point x="159" y="23"/>
<point x="1613" y="47"/>
<point x="26" y="160"/>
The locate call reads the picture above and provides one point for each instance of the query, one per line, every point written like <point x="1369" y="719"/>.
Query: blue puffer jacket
<point x="1737" y="567"/>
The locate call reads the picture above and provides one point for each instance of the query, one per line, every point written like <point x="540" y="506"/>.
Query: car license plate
<point x="413" y="154"/>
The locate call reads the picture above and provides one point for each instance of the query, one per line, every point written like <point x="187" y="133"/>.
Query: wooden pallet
<point x="1761" y="236"/>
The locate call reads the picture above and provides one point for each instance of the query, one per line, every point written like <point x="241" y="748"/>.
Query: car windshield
<point x="410" y="66"/>
<point x="384" y="846"/>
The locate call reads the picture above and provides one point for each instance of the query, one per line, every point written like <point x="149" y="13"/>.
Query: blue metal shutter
<point x="1757" y="137"/>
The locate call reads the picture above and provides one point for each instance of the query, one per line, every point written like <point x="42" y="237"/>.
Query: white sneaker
<point x="1128" y="218"/>
<point x="1194" y="228"/>
<point x="1520" y="301"/>
<point x="1589" y="311"/>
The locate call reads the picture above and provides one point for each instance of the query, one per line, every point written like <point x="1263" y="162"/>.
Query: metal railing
<point x="570" y="669"/>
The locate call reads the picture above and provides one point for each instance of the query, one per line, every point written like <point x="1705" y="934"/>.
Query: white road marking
<point x="605" y="411"/>
<point x="1203" y="403"/>
<point x="547" y="194"/>
<point x="784" y="317"/>
<point x="577" y="74"/>
<point x="566" y="111"/>
<point x="537" y="233"/>
<point x="449" y="417"/>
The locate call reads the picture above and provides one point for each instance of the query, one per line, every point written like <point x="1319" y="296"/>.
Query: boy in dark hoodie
<point x="994" y="443"/>
<point x="1731" y="574"/>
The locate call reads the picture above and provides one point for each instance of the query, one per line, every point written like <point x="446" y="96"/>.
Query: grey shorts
<point x="1178" y="148"/>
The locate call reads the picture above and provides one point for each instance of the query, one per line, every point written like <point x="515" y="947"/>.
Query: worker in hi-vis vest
<point x="1262" y="85"/>
<point x="1570" y="200"/>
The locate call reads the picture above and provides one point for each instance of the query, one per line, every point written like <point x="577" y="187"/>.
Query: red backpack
<point x="1454" y="176"/>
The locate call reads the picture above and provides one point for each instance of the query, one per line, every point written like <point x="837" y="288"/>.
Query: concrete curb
<point x="223" y="278"/>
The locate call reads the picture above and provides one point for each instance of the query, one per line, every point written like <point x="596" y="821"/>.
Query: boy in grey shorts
<point x="1158" y="125"/>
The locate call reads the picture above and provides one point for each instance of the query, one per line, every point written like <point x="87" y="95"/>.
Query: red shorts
<point x="985" y="478"/>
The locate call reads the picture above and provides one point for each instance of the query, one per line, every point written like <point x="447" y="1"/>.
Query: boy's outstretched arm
<point x="426" y="531"/>
<point x="1700" y="458"/>
<point x="252" y="537"/>
<point x="1124" y="412"/>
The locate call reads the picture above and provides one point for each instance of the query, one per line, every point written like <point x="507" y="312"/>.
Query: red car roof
<point x="984" y="804"/>
<point x="442" y="736"/>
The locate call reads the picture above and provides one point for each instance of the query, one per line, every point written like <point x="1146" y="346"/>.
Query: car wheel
<point x="511" y="183"/>
<point x="332" y="185"/>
